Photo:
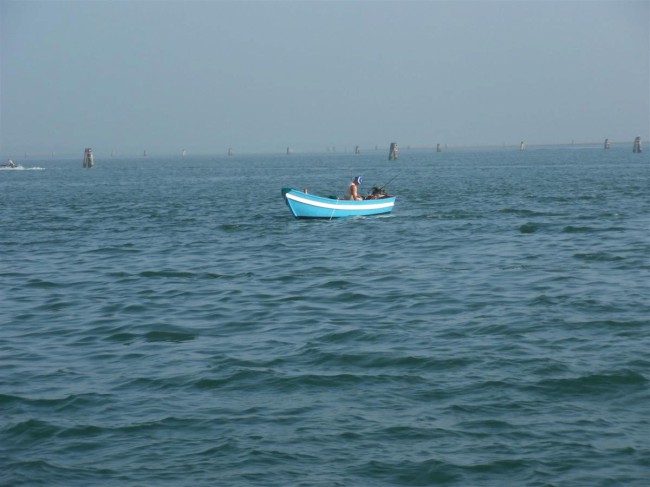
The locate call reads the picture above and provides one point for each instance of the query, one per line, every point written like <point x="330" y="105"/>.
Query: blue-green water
<point x="166" y="322"/>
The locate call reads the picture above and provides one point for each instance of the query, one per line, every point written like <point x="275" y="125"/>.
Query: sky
<point x="260" y="76"/>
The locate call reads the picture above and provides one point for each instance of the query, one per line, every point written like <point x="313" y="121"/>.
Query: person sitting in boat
<point x="352" y="193"/>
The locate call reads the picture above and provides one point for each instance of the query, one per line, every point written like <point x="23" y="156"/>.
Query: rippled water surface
<point x="166" y="321"/>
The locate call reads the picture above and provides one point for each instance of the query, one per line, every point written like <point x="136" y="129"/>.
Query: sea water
<point x="165" y="321"/>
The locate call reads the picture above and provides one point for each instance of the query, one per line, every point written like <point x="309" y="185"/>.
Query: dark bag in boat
<point x="377" y="193"/>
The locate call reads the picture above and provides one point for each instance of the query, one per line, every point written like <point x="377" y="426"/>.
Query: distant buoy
<point x="522" y="146"/>
<point x="637" y="146"/>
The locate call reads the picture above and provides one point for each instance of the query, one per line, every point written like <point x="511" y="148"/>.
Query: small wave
<point x="500" y="467"/>
<point x="458" y="215"/>
<point x="375" y="361"/>
<point x="181" y="275"/>
<point x="427" y="472"/>
<point x="598" y="257"/>
<point x="528" y="228"/>
<point x="594" y="383"/>
<point x="40" y="472"/>
<point x="573" y="229"/>
<point x="115" y="250"/>
<point x="122" y="337"/>
<point x="486" y="425"/>
<point x="614" y="325"/>
<point x="56" y="305"/>
<point x="82" y="431"/>
<point x="348" y="298"/>
<point x="324" y="381"/>
<point x="67" y="403"/>
<point x="169" y="422"/>
<point x="163" y="274"/>
<point x="169" y="336"/>
<point x="232" y="227"/>
<point x="212" y="383"/>
<point x="31" y="430"/>
<point x="211" y="275"/>
<point x="346" y="336"/>
<point x="135" y="308"/>
<point x="527" y="213"/>
<point x="337" y="284"/>
<point x="41" y="284"/>
<point x="148" y="384"/>
<point x="268" y="379"/>
<point x="533" y="227"/>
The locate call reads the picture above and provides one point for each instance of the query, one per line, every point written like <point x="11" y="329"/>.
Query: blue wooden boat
<point x="304" y="205"/>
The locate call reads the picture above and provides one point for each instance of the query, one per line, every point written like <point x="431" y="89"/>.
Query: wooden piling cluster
<point x="89" y="161"/>
<point x="392" y="152"/>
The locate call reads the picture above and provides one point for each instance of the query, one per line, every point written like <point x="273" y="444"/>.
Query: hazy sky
<point x="261" y="76"/>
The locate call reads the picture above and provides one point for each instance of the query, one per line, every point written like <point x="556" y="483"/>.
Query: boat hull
<point x="304" y="205"/>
